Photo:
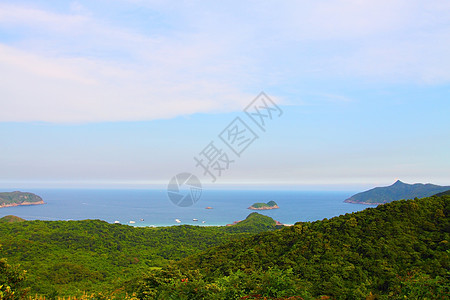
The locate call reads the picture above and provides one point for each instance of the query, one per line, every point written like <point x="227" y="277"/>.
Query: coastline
<point x="153" y="207"/>
<point x="264" y="207"/>
<point x="365" y="203"/>
<point x="21" y="204"/>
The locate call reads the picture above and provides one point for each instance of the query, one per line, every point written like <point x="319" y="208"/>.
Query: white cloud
<point x="12" y="14"/>
<point x="80" y="90"/>
<point x="113" y="75"/>
<point x="82" y="66"/>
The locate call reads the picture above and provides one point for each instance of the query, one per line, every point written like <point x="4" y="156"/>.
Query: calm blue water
<point x="155" y="208"/>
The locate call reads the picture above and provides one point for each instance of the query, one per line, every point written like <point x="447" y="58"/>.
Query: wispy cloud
<point x="13" y="14"/>
<point x="110" y="74"/>
<point x="82" y="65"/>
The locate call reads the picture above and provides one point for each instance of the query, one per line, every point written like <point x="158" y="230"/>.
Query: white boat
<point x="195" y="220"/>
<point x="177" y="220"/>
<point x="116" y="222"/>
<point x="132" y="222"/>
<point x="203" y="222"/>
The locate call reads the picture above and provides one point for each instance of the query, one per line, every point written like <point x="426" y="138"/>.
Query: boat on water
<point x="203" y="222"/>
<point x="178" y="220"/>
<point x="209" y="207"/>
<point x="195" y="220"/>
<point x="142" y="220"/>
<point x="116" y="222"/>
<point x="132" y="222"/>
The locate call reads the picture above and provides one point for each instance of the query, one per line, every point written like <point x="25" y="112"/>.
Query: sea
<point x="152" y="207"/>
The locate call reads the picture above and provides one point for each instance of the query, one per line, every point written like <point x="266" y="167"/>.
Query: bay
<point x="153" y="208"/>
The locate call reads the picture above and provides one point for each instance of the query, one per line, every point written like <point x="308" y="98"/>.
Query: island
<point x="397" y="191"/>
<point x="8" y="199"/>
<point x="263" y="206"/>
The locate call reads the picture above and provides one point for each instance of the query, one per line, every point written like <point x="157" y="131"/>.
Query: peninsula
<point x="263" y="206"/>
<point x="9" y="199"/>
<point x="398" y="191"/>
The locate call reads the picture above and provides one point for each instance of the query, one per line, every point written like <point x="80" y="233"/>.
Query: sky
<point x="127" y="93"/>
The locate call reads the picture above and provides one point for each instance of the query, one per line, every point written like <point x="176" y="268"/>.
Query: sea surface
<point x="153" y="207"/>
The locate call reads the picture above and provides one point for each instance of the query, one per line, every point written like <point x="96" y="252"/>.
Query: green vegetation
<point x="397" y="191"/>
<point x="11" y="281"/>
<point x="399" y="250"/>
<point x="11" y="219"/>
<point x="272" y="203"/>
<point x="19" y="198"/>
<point x="71" y="257"/>
<point x="254" y="223"/>
<point x="268" y="205"/>
<point x="443" y="193"/>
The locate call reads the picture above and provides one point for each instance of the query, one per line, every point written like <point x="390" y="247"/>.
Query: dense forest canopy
<point x="395" y="250"/>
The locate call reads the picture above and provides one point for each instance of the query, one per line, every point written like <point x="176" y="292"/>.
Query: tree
<point x="11" y="281"/>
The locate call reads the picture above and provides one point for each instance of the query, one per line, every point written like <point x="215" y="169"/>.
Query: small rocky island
<point x="9" y="199"/>
<point x="263" y="206"/>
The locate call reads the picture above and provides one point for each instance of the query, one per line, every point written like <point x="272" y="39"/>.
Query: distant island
<point x="262" y="206"/>
<point x="399" y="190"/>
<point x="8" y="199"/>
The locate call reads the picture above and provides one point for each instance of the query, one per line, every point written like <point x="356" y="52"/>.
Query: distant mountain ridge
<point x="399" y="190"/>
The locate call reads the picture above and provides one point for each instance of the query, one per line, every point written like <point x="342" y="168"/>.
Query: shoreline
<point x="365" y="203"/>
<point x="264" y="207"/>
<point x="21" y="204"/>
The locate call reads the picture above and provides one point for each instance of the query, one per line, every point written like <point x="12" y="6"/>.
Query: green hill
<point x="399" y="250"/>
<point x="254" y="223"/>
<point x="19" y="198"/>
<point x="395" y="250"/>
<point x="67" y="258"/>
<point x="397" y="191"/>
<point x="443" y="193"/>
<point x="11" y="219"/>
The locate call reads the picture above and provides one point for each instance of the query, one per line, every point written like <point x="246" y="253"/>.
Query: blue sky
<point x="126" y="92"/>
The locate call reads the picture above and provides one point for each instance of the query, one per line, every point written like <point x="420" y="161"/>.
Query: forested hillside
<point x="11" y="219"/>
<point x="443" y="193"/>
<point x="398" y="250"/>
<point x="71" y="257"/>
